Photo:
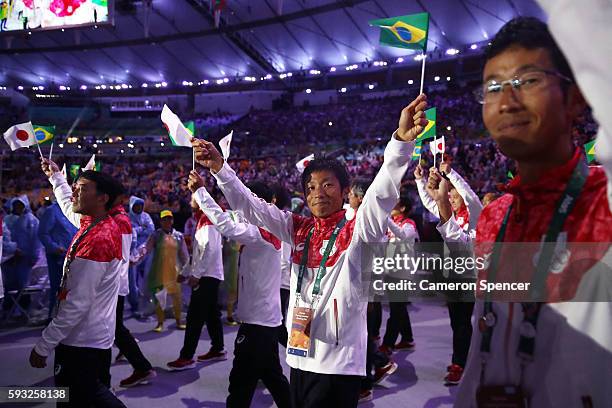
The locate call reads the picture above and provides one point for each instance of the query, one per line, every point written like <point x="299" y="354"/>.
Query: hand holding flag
<point x="412" y="120"/>
<point x="49" y="167"/>
<point x="207" y="155"/>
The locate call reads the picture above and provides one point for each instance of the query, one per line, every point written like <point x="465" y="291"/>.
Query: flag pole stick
<point x="193" y="158"/>
<point x="39" y="151"/>
<point x="423" y="55"/>
<point x="434" y="150"/>
<point x="51" y="150"/>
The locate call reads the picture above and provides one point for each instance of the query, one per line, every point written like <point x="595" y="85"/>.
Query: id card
<point x="501" y="396"/>
<point x="299" y="339"/>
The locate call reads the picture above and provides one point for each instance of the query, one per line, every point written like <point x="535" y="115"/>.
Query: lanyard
<point x="531" y="310"/>
<point x="322" y="269"/>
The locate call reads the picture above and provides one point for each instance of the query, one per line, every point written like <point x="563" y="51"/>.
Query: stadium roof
<point x="254" y="39"/>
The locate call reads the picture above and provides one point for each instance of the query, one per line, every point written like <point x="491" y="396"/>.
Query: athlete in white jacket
<point x="327" y="346"/>
<point x="83" y="331"/>
<point x="259" y="275"/>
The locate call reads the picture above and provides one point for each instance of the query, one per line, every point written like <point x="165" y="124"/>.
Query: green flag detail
<point x="430" y="129"/>
<point x="190" y="126"/>
<point x="44" y="134"/>
<point x="74" y="170"/>
<point x="103" y="3"/>
<point x="589" y="149"/>
<point x="510" y="175"/>
<point x="409" y="31"/>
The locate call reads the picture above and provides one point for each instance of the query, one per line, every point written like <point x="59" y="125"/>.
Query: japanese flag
<point x="437" y="146"/>
<point x="21" y="135"/>
<point x="225" y="144"/>
<point x="64" y="171"/>
<point x="301" y="165"/>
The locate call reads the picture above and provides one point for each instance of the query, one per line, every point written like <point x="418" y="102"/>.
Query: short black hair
<point x="326" y="164"/>
<point x="261" y="190"/>
<point x="282" y="196"/>
<point x="360" y="186"/>
<point x="529" y="33"/>
<point x="105" y="184"/>
<point x="405" y="200"/>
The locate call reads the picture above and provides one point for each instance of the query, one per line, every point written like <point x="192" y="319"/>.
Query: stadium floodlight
<point x="332" y="69"/>
<point x="95" y="145"/>
<point x="206" y="82"/>
<point x="20" y="88"/>
<point x="98" y="87"/>
<point x="473" y="46"/>
<point x="449" y="127"/>
<point x="122" y="151"/>
<point x="185" y="83"/>
<point x="61" y="145"/>
<point x="410" y="82"/>
<point x="83" y="87"/>
<point x="330" y="123"/>
<point x="448" y="79"/>
<point x="436" y="78"/>
<point x="400" y="59"/>
<point x="418" y="57"/>
<point x="124" y="86"/>
<point x="289" y="74"/>
<point x="144" y="85"/>
<point x="371" y="86"/>
<point x="343" y="90"/>
<point x="219" y="81"/>
<point x="161" y="144"/>
<point x="225" y="80"/>
<point x="62" y="88"/>
<point x="164" y="84"/>
<point x="308" y="90"/>
<point x="452" y="51"/>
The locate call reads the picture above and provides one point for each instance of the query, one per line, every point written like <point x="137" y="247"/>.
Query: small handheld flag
<point x="179" y="135"/>
<point x="64" y="170"/>
<point x="91" y="163"/>
<point x="437" y="146"/>
<point x="21" y="135"/>
<point x="302" y="164"/>
<point x="410" y="31"/>
<point x="510" y="175"/>
<point x="225" y="145"/>
<point x="74" y="170"/>
<point x="589" y="149"/>
<point x="44" y="134"/>
<point x="430" y="130"/>
<point x="416" y="153"/>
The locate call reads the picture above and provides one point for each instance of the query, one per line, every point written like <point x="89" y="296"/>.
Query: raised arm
<point x="591" y="65"/>
<point x="470" y="198"/>
<point x="61" y="190"/>
<point x="382" y="195"/>
<point x="240" y="198"/>
<point x="244" y="233"/>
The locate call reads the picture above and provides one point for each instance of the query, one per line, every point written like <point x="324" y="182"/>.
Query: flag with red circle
<point x="437" y="146"/>
<point x="21" y="135"/>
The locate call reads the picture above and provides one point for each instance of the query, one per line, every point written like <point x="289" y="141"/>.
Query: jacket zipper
<point x="336" y="319"/>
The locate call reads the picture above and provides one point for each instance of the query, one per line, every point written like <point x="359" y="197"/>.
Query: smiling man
<point x="327" y="319"/>
<point x="556" y="353"/>
<point x="83" y="331"/>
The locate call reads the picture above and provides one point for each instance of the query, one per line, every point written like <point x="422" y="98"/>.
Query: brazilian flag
<point x="430" y="129"/>
<point x="74" y="170"/>
<point x="103" y="3"/>
<point x="416" y="153"/>
<point x="589" y="149"/>
<point x="44" y="134"/>
<point x="409" y="31"/>
<point x="510" y="175"/>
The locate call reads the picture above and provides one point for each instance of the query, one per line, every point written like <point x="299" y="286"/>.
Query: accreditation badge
<point x="496" y="396"/>
<point x="299" y="338"/>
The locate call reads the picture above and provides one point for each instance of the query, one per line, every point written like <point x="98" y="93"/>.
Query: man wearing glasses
<point x="554" y="347"/>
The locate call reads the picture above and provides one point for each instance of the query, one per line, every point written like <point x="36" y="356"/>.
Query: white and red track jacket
<point x="86" y="313"/>
<point x="259" y="273"/>
<point x="207" y="255"/>
<point x="403" y="234"/>
<point x="63" y="195"/>
<point x="338" y="332"/>
<point x="461" y="227"/>
<point x="125" y="227"/>
<point x="573" y="347"/>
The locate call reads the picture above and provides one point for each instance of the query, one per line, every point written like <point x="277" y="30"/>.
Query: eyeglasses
<point x="523" y="84"/>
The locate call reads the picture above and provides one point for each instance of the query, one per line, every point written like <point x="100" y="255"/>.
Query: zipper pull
<point x="336" y="318"/>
